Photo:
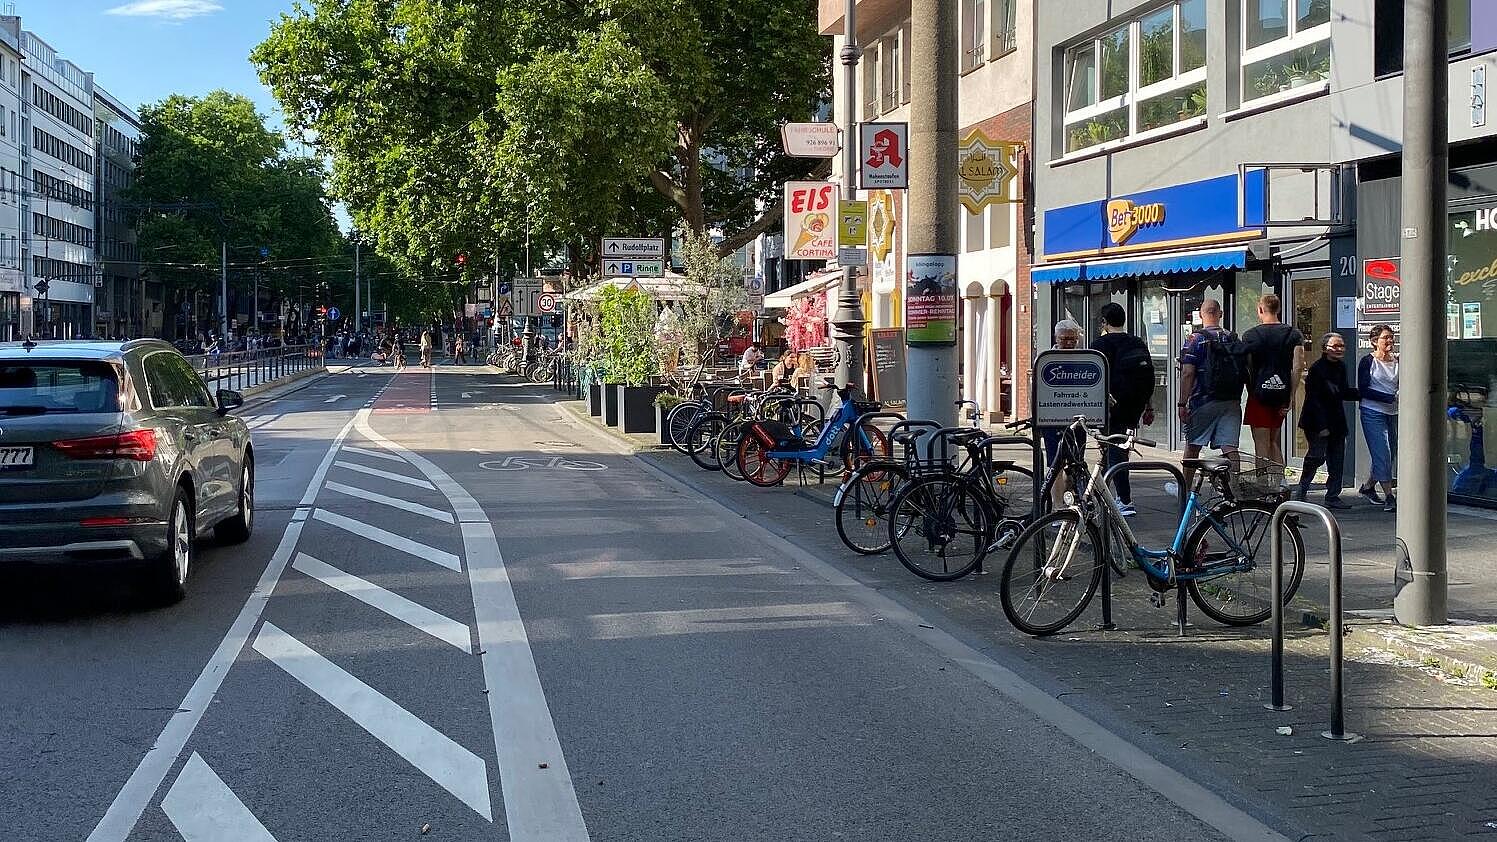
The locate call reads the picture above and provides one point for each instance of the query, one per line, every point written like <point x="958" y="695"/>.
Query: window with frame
<point x="974" y="34"/>
<point x="871" y="82"/>
<point x="1286" y="44"/>
<point x="892" y="65"/>
<point x="1147" y="74"/>
<point x="1387" y="33"/>
<point x="1005" y="28"/>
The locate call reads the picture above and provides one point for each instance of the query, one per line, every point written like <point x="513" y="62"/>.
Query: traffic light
<point x="462" y="261"/>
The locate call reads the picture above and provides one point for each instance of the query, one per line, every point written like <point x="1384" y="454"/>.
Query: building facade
<point x="121" y="307"/>
<point x="996" y="89"/>
<point x="13" y="287"/>
<point x="57" y="208"/>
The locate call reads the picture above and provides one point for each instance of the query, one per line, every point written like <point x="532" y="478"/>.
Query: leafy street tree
<point x="463" y="126"/>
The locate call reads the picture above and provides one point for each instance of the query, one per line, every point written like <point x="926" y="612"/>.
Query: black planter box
<point x="637" y="408"/>
<point x="611" y="404"/>
<point x="661" y="413"/>
<point x="594" y="399"/>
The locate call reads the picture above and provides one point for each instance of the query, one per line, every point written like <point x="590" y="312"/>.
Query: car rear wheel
<point x="237" y="529"/>
<point x="169" y="571"/>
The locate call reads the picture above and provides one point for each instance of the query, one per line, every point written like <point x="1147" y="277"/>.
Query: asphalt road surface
<point x="465" y="615"/>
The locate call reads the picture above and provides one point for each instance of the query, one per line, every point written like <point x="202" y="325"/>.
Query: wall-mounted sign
<point x="930" y="299"/>
<point x="1067" y="384"/>
<point x="1478" y="96"/>
<point x="880" y="223"/>
<point x="1200" y="213"/>
<point x="852" y="232"/>
<point x="883" y="155"/>
<point x="987" y="171"/>
<point x="811" y="140"/>
<point x="809" y="230"/>
<point x="1382" y="290"/>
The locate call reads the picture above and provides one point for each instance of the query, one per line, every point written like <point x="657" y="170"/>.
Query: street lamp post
<point x="847" y="320"/>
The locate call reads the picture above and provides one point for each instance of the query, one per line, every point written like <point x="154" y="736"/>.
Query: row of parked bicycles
<point x="944" y="499"/>
<point x="541" y="367"/>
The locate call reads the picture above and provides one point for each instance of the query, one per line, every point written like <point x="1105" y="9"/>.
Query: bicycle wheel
<point x="1051" y="573"/>
<point x="863" y="505"/>
<point x="1242" y="597"/>
<point x="1013" y="492"/>
<point x="938" y="528"/>
<point x="757" y="466"/>
<point x="727" y="448"/>
<point x="703" y="442"/>
<point x="865" y="444"/>
<point x="679" y="422"/>
<point x="693" y="442"/>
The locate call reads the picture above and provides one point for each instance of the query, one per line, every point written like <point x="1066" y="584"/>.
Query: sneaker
<point x="1297" y="494"/>
<point x="1127" y="509"/>
<point x="1371" y="494"/>
<point x="1334" y="503"/>
<point x="1392" y="504"/>
<point x="1172" y="488"/>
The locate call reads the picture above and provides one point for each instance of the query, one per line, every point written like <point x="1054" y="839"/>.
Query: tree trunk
<point x="690" y="154"/>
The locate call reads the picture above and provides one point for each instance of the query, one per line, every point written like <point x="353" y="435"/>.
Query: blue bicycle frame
<point x="831" y="435"/>
<point x="1159" y="563"/>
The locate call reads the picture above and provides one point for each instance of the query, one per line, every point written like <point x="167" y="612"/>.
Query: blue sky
<point x="144" y="50"/>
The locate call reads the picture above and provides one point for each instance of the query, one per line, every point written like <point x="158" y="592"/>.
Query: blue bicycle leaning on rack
<point x="1219" y="553"/>
<point x="770" y="448"/>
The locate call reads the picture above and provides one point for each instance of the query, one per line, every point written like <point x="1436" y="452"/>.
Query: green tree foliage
<point x="626" y="329"/>
<point x="462" y="125"/>
<point x="714" y="296"/>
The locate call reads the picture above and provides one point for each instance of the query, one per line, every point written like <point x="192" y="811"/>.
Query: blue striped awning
<point x="1162" y="264"/>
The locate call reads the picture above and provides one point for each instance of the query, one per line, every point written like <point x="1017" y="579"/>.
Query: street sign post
<point x="633" y="248"/>
<point x="633" y="268"/>
<point x="852" y="233"/>
<point x="334" y="314"/>
<point x="547" y="303"/>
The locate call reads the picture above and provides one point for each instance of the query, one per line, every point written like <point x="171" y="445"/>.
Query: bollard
<point x="1276" y="661"/>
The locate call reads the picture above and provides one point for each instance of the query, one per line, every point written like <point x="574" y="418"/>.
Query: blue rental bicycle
<point x="770" y="448"/>
<point x="1219" y="553"/>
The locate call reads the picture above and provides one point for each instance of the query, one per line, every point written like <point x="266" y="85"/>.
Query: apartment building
<point x="12" y="279"/>
<point x="122" y="307"/>
<point x="996" y="89"/>
<point x="56" y="128"/>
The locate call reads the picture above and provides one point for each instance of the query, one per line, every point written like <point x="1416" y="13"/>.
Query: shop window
<point x="1387" y="33"/>
<point x="1471" y="326"/>
<point x="1286" y="44"/>
<point x="1114" y="91"/>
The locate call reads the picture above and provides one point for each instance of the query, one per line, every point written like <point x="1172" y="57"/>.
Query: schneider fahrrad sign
<point x="1067" y="384"/>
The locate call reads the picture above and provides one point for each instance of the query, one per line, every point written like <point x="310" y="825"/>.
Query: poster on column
<point x="930" y="299"/>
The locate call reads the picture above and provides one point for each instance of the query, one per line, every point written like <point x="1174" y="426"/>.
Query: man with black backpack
<point x="1213" y="373"/>
<point x="1130" y="391"/>
<point x="1276" y="353"/>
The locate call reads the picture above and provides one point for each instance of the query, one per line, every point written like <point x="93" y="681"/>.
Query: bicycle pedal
<point x="1159" y="600"/>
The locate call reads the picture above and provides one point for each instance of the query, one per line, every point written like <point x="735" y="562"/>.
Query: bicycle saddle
<point x="1208" y="463"/>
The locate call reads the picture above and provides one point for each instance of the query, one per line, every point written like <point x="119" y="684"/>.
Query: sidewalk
<point x="1425" y="765"/>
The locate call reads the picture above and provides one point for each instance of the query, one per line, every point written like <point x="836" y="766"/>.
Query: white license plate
<point x="16" y="457"/>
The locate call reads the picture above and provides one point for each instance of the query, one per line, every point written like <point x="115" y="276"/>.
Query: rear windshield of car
<point x="52" y="386"/>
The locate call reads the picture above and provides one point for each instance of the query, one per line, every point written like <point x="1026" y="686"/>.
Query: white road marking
<point x="204" y="809"/>
<point x="538" y="803"/>
<point x="376" y="454"/>
<point x="392" y="477"/>
<point x="335" y="398"/>
<point x="419" y="616"/>
<point x="389" y="539"/>
<point x="448" y="764"/>
<point x="615" y="569"/>
<point x="125" y="810"/>
<point x="396" y="502"/>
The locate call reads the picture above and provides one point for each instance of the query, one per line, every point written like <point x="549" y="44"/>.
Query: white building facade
<point x="12" y="278"/>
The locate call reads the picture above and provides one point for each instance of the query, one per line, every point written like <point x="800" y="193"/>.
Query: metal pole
<point x="847" y="318"/>
<point x="1276" y="611"/>
<point x="1421" y="601"/>
<point x="255" y="307"/>
<point x="1338" y="711"/>
<point x="932" y="199"/>
<point x="358" y="314"/>
<point x="223" y="320"/>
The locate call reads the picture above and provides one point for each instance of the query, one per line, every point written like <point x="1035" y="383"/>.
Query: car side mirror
<point x="228" y="399"/>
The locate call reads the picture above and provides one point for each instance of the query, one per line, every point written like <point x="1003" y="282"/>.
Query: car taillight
<point x="138" y="445"/>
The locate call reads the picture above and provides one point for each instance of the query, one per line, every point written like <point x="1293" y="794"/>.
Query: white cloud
<point x="169" y="9"/>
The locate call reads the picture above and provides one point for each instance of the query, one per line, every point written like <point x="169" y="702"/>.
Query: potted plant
<point x="664" y="403"/>
<point x="1297" y="74"/>
<point x="1193" y="105"/>
<point x="627" y="323"/>
<point x="1267" y="82"/>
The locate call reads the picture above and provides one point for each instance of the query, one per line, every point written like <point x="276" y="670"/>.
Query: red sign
<point x="1382" y="290"/>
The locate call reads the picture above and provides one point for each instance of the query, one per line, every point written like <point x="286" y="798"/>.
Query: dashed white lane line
<point x="418" y="616"/>
<point x="394" y="502"/>
<point x="389" y="539"/>
<point x="204" y="809"/>
<point x="385" y="475"/>
<point x="449" y="765"/>
<point x="373" y="454"/>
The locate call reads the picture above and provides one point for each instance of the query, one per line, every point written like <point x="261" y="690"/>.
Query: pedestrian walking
<point x="397" y="351"/>
<point x="1324" y="421"/>
<point x="1211" y="383"/>
<point x="1130" y="391"/>
<point x="460" y="350"/>
<point x="426" y="347"/>
<point x="1276" y="355"/>
<point x="1377" y="383"/>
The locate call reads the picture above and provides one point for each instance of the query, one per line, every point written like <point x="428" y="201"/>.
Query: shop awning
<point x="810" y="286"/>
<point x="1207" y="260"/>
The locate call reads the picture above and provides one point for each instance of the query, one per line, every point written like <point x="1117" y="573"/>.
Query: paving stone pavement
<point x="1425" y="766"/>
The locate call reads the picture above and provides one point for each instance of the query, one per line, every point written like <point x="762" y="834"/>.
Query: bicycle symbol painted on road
<point x="540" y="463"/>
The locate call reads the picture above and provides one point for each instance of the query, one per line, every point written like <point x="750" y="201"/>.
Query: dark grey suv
<point x="117" y="453"/>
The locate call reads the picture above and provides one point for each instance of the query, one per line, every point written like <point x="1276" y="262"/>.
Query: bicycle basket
<point x="1252" y="478"/>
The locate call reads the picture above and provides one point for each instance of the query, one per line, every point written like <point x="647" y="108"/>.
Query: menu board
<point x="888" y="367"/>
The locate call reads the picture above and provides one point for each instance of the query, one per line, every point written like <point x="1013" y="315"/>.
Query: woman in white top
<point x="1377" y="382"/>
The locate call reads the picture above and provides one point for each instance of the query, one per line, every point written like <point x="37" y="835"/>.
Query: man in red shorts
<point x="1276" y="356"/>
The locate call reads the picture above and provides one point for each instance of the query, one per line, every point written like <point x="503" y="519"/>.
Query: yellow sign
<point x="988" y="171"/>
<point x="1124" y="218"/>
<point x="881" y="219"/>
<point x="852" y="223"/>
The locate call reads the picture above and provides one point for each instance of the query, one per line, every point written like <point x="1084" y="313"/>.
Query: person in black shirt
<point x="1277" y="357"/>
<point x="1324" y="421"/>
<point x="1130" y="390"/>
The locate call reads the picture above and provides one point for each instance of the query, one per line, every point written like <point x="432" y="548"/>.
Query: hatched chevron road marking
<point x="393" y="502"/>
<point x="414" y="614"/>
<point x="389" y="539"/>
<point x="204" y="809"/>
<point x="385" y="475"/>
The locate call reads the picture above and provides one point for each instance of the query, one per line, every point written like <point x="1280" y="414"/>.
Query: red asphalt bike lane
<point x="409" y="392"/>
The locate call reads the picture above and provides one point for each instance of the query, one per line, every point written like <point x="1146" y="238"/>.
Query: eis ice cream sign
<point x="810" y="210"/>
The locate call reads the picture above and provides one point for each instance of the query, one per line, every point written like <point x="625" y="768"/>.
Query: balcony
<point x="875" y="17"/>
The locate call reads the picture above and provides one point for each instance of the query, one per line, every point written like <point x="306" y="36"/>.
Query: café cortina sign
<point x="988" y="171"/>
<point x="1124" y="218"/>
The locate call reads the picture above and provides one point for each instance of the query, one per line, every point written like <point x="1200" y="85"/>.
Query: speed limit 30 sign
<point x="547" y="303"/>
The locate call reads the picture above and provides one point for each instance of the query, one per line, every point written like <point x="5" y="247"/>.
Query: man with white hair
<point x="1068" y="335"/>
